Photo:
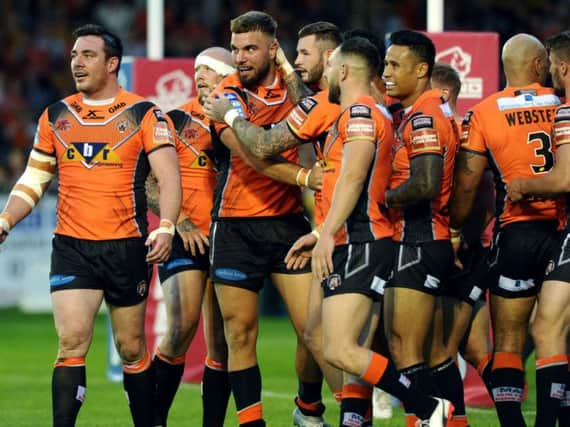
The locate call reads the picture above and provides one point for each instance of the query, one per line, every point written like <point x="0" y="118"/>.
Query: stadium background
<point x="34" y="71"/>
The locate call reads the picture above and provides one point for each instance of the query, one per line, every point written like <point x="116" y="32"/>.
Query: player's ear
<point x="422" y="70"/>
<point x="273" y="49"/>
<point x="112" y="64"/>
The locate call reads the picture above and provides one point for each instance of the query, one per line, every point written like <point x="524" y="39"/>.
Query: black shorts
<point x="243" y="252"/>
<point x="521" y="253"/>
<point x="361" y="268"/>
<point x="422" y="266"/>
<point x="117" y="267"/>
<point x="558" y="268"/>
<point x="471" y="283"/>
<point x="181" y="260"/>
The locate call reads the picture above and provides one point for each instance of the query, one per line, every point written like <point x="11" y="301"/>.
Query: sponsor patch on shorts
<point x="179" y="262"/>
<point x="61" y="279"/>
<point x="230" y="274"/>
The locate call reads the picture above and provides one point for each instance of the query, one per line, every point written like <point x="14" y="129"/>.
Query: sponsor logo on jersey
<point x="161" y="133"/>
<point x="92" y="115"/>
<point x="91" y="153"/>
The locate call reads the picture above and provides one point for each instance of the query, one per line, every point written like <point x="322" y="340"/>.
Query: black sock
<point x="68" y="391"/>
<point x="507" y="380"/>
<point x="485" y="368"/>
<point x="449" y="385"/>
<point x="356" y="405"/>
<point x="564" y="412"/>
<point x="168" y="376"/>
<point x="140" y="393"/>
<point x="551" y="376"/>
<point x="215" y="396"/>
<point x="246" y="387"/>
<point x="309" y="399"/>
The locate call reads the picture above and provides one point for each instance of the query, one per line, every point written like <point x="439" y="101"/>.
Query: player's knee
<point x="131" y="349"/>
<point x="180" y="335"/>
<point x="240" y="334"/>
<point x="74" y="341"/>
<point x="312" y="341"/>
<point x="339" y="354"/>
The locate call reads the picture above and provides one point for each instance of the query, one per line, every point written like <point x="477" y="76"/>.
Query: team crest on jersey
<point x="189" y="133"/>
<point x="122" y="125"/>
<point x="62" y="125"/>
<point x="202" y="161"/>
<point x="91" y="153"/>
<point x="333" y="281"/>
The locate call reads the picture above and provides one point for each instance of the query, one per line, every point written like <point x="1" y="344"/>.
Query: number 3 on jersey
<point x="543" y="151"/>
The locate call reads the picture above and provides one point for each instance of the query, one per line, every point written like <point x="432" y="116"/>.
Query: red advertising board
<point x="475" y="56"/>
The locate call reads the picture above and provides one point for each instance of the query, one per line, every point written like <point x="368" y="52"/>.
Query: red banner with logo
<point x="475" y="56"/>
<point x="169" y="83"/>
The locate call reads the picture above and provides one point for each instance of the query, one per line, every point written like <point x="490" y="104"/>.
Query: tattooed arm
<point x="296" y="89"/>
<point x="152" y="194"/>
<point x="424" y="182"/>
<point x="469" y="168"/>
<point x="262" y="143"/>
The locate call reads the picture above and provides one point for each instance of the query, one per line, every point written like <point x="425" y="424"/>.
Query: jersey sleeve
<point x="43" y="138"/>
<point x="561" y="127"/>
<point x="358" y="124"/>
<point x="472" y="137"/>
<point x="157" y="130"/>
<point x="311" y="118"/>
<point x="424" y="136"/>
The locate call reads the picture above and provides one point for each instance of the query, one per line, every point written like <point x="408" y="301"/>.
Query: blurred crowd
<point x="36" y="37"/>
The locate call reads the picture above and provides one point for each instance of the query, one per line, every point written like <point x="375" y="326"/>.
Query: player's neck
<point x="422" y="86"/>
<point x="270" y="79"/>
<point x="109" y="91"/>
<point x="349" y="96"/>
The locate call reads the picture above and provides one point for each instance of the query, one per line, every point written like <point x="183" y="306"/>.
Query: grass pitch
<point x="29" y="348"/>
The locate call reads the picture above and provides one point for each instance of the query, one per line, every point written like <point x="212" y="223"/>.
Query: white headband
<point x="215" y="64"/>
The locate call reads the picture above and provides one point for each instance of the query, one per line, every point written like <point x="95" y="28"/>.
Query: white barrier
<point x="25" y="259"/>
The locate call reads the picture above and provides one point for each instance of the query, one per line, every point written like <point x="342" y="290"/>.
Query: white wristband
<point x="230" y="116"/>
<point x="166" y="227"/>
<point x="316" y="233"/>
<point x="306" y="183"/>
<point x="6" y="222"/>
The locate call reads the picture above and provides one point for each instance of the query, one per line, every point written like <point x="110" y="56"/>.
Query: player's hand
<point x="300" y="253"/>
<point x="216" y="108"/>
<point x="161" y="248"/>
<point x="316" y="177"/>
<point x="283" y="63"/>
<point x="194" y="240"/>
<point x="514" y="190"/>
<point x="321" y="263"/>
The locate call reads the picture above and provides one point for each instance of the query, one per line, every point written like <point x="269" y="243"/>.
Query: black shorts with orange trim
<point x="361" y="268"/>
<point x="422" y="266"/>
<point x="117" y="267"/>
<point x="558" y="268"/>
<point x="182" y="260"/>
<point x="521" y="253"/>
<point x="470" y="284"/>
<point x="243" y="252"/>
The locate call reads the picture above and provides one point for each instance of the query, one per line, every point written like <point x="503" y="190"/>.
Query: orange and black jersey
<point x="427" y="127"/>
<point x="310" y="121"/>
<point x="363" y="122"/>
<point x="241" y="192"/>
<point x="513" y="129"/>
<point x="101" y="153"/>
<point x="196" y="159"/>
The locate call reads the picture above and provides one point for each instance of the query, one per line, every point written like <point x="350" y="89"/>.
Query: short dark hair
<point x="444" y="73"/>
<point x="323" y="32"/>
<point x="371" y="37"/>
<point x="420" y="44"/>
<point x="112" y="44"/>
<point x="254" y="20"/>
<point x="560" y="44"/>
<point x="363" y="49"/>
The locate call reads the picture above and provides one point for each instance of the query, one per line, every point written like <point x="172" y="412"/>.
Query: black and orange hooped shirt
<point x="241" y="192"/>
<point x="427" y="127"/>
<point x="101" y="152"/>
<point x="363" y="122"/>
<point x="196" y="160"/>
<point x="513" y="129"/>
